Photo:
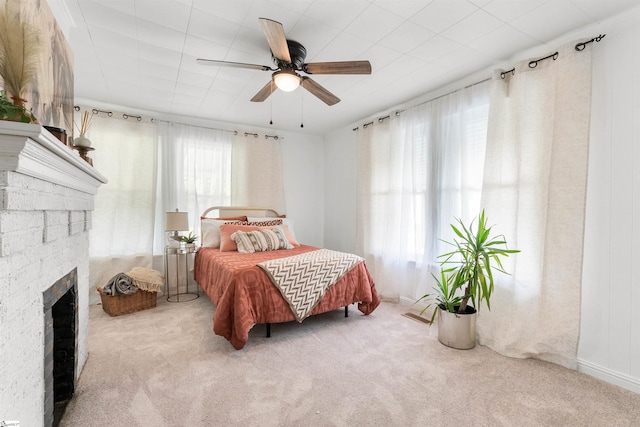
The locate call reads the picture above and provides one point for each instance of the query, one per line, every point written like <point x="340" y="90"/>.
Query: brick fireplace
<point x="46" y="200"/>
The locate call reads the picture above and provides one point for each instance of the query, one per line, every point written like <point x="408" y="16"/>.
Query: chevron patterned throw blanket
<point x="303" y="279"/>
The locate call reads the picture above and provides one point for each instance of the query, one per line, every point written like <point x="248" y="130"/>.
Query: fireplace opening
<point x="61" y="346"/>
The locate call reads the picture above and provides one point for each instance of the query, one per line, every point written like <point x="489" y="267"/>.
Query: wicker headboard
<point x="232" y="211"/>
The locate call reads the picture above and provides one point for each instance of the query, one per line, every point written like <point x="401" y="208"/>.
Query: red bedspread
<point x="244" y="295"/>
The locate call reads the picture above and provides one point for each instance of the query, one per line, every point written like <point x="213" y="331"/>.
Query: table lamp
<point x="175" y="222"/>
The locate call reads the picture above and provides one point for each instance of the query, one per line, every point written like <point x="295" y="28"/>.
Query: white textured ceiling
<point x="141" y="54"/>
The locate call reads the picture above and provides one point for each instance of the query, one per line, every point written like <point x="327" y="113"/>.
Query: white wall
<point x="610" y="320"/>
<point x="610" y="334"/>
<point x="303" y="186"/>
<point x="340" y="191"/>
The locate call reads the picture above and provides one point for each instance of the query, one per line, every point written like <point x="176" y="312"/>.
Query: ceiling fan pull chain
<point x="271" y="101"/>
<point x="302" y="106"/>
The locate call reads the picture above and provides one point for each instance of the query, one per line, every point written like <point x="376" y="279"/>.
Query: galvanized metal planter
<point x="457" y="330"/>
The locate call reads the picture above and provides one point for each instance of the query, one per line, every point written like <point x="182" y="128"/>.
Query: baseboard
<point x="610" y="376"/>
<point x="407" y="301"/>
<point x="412" y="303"/>
<point x="417" y="307"/>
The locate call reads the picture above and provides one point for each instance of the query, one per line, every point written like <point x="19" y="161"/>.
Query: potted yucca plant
<point x="467" y="279"/>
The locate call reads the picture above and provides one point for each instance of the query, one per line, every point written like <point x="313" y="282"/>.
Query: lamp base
<point x="173" y="240"/>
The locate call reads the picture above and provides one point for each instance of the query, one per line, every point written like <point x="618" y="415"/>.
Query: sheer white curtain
<point x="416" y="173"/>
<point x="122" y="234"/>
<point x="257" y="172"/>
<point x="534" y="191"/>
<point x="195" y="172"/>
<point x="152" y="168"/>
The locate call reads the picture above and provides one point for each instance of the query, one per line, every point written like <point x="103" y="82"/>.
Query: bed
<point x="242" y="287"/>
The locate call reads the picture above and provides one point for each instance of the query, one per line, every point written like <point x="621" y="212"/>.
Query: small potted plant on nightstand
<point x="189" y="239"/>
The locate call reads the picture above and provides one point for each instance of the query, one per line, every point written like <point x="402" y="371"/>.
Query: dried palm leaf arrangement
<point x="20" y="46"/>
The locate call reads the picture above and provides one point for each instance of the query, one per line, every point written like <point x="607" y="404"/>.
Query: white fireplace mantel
<point x="31" y="150"/>
<point x="47" y="194"/>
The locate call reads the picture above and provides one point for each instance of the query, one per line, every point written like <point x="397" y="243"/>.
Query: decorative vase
<point x="59" y="133"/>
<point x="457" y="330"/>
<point x="17" y="100"/>
<point x="82" y="141"/>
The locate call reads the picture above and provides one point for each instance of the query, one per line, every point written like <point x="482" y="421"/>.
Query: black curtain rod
<point x="126" y="116"/>
<point x="154" y="120"/>
<point x="580" y="46"/>
<point x="398" y="112"/>
<point x="235" y="132"/>
<point x="534" y="63"/>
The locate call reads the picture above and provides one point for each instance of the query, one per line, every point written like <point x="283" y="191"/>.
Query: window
<point x="419" y="172"/>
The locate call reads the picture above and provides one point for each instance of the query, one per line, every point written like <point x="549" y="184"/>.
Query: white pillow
<point x="285" y="221"/>
<point x="210" y="229"/>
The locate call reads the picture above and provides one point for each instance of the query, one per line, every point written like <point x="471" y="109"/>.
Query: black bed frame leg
<point x="346" y="314"/>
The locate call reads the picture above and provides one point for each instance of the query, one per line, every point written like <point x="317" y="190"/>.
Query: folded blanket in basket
<point x="147" y="279"/>
<point x="120" y="284"/>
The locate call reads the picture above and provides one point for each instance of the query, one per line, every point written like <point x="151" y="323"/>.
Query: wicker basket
<point x="116" y="305"/>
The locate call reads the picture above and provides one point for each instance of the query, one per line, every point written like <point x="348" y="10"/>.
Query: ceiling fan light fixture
<point x="287" y="81"/>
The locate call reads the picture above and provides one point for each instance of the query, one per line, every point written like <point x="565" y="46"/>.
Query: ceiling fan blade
<point x="264" y="93"/>
<point x="319" y="91"/>
<point x="274" y="32"/>
<point x="345" y="67"/>
<point x="203" y="61"/>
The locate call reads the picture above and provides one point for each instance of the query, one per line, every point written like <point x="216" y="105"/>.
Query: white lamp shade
<point x="176" y="221"/>
<point x="286" y="81"/>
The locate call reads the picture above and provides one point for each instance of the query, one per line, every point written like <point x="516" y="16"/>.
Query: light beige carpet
<point x="165" y="367"/>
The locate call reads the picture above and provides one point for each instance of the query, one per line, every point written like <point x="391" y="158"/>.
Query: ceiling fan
<point x="288" y="56"/>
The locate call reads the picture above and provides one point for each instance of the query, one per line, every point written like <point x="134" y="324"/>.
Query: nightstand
<point x="178" y="257"/>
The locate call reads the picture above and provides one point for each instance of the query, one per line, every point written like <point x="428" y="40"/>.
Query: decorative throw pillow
<point x="210" y="229"/>
<point x="285" y="221"/>
<point x="260" y="240"/>
<point x="226" y="230"/>
<point x="263" y="223"/>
